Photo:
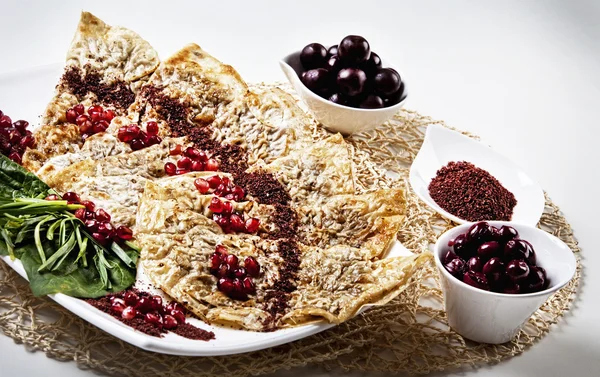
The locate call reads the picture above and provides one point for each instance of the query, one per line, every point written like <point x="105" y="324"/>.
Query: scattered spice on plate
<point x="146" y="313"/>
<point x="471" y="193"/>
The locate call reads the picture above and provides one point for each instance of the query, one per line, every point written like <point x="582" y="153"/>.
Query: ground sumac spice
<point x="471" y="193"/>
<point x="115" y="94"/>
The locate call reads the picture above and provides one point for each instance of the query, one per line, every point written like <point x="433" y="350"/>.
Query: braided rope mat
<point x="409" y="335"/>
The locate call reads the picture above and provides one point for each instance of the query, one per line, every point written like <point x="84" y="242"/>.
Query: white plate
<point x="23" y="95"/>
<point x="442" y="145"/>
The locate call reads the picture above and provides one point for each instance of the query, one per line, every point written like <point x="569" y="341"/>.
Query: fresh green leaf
<point x="74" y="281"/>
<point x="18" y="182"/>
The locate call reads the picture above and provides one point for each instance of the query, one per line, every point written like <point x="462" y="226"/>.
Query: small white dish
<point x="495" y="318"/>
<point x="442" y="145"/>
<point x="334" y="117"/>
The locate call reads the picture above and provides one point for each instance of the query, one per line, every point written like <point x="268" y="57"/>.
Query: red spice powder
<point x="471" y="193"/>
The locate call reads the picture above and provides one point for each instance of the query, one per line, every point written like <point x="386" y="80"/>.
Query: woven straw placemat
<point x="408" y="335"/>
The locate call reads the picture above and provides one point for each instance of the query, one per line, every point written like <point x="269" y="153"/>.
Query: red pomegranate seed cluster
<point x="150" y="308"/>
<point x="495" y="259"/>
<point x="96" y="221"/>
<point x="14" y="138"/>
<point x="138" y="138"/>
<point x="230" y="221"/>
<point x="192" y="159"/>
<point x="220" y="186"/>
<point x="96" y="119"/>
<point x="235" y="280"/>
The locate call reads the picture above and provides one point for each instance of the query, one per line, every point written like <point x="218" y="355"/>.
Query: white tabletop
<point x="524" y="75"/>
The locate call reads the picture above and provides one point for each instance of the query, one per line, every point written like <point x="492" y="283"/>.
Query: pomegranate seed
<point x="184" y="163"/>
<point x="21" y="126"/>
<point x="90" y="215"/>
<point x="16" y="157"/>
<point x="152" y="128"/>
<point x="5" y="146"/>
<point x="102" y="216"/>
<point x="157" y="303"/>
<point x="212" y="165"/>
<point x="95" y="109"/>
<point x="5" y="121"/>
<point x="123" y="135"/>
<point x="237" y="286"/>
<point x="237" y="223"/>
<point x="71" y="197"/>
<point x="154" y="319"/>
<point x="124" y="233"/>
<point x="223" y="270"/>
<point x="240" y="272"/>
<point x="101" y="126"/>
<point x="108" y="115"/>
<point x="170" y="168"/>
<point x="100" y="238"/>
<point x="79" y="109"/>
<point x="202" y="156"/>
<point x="192" y="153"/>
<point x="28" y="141"/>
<point x="144" y="304"/>
<point x="96" y="117"/>
<point x="131" y="299"/>
<point x="215" y="261"/>
<point x="137" y="144"/>
<point x="80" y="214"/>
<point x="214" y="181"/>
<point x="222" y="250"/>
<point x="227" y="208"/>
<point x="14" y="137"/>
<point x="52" y="197"/>
<point x="252" y="225"/>
<point x="153" y="140"/>
<point x="89" y="205"/>
<point x="129" y="313"/>
<point x="181" y="171"/>
<point x="223" y="222"/>
<point x="81" y="119"/>
<point x="105" y="228"/>
<point x="222" y="190"/>
<point x="232" y="261"/>
<point x="176" y="150"/>
<point x="170" y="322"/>
<point x="202" y="185"/>
<point x="226" y="181"/>
<point x="91" y="225"/>
<point x="216" y="205"/>
<point x="252" y="266"/>
<point x="117" y="305"/>
<point x="197" y="166"/>
<point x="225" y="285"/>
<point x="134" y="130"/>
<point x="178" y="315"/>
<point x="230" y="197"/>
<point x="248" y="286"/>
<point x="71" y="115"/>
<point x="239" y="193"/>
<point x="86" y="128"/>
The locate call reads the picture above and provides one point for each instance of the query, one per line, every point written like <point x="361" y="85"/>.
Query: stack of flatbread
<point x="340" y="240"/>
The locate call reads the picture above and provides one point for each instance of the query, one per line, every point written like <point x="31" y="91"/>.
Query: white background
<point x="524" y="75"/>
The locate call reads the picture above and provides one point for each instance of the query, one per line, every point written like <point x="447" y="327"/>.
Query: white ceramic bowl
<point x="442" y="145"/>
<point x="490" y="317"/>
<point x="334" y="117"/>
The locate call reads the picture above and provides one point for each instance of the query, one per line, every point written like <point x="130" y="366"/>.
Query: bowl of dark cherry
<point x="496" y="274"/>
<point x="346" y="86"/>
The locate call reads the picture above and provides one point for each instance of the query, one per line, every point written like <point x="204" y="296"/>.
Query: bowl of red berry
<point x="346" y="86"/>
<point x="496" y="274"/>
